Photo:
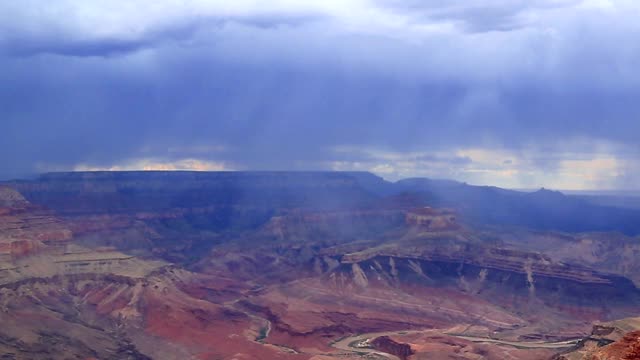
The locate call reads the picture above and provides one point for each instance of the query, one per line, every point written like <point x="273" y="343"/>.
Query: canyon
<point x="302" y="265"/>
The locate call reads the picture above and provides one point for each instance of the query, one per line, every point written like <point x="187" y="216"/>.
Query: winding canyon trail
<point x="346" y="343"/>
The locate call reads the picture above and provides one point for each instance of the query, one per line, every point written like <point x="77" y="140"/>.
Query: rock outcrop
<point x="389" y="346"/>
<point x="627" y="348"/>
<point x="27" y="229"/>
<point x="11" y="199"/>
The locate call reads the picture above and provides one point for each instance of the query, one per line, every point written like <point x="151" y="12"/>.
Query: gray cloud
<point x="488" y="15"/>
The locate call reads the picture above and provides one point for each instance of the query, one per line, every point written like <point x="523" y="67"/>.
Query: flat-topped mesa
<point x="136" y="191"/>
<point x="432" y="219"/>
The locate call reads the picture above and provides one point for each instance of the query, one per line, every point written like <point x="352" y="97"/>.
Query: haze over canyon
<point x="311" y="265"/>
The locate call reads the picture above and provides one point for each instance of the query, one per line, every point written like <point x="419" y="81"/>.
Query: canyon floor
<point x="161" y="265"/>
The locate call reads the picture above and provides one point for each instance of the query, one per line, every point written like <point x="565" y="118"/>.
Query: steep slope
<point x="618" y="339"/>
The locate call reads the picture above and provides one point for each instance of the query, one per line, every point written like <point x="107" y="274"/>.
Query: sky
<point x="512" y="93"/>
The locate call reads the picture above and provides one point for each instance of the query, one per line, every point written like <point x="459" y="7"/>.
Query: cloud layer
<point x="515" y="93"/>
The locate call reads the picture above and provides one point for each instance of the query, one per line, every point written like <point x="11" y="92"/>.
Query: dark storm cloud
<point x="283" y="87"/>
<point x="109" y="47"/>
<point x="21" y="45"/>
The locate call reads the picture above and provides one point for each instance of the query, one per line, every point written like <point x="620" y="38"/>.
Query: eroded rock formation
<point x="388" y="345"/>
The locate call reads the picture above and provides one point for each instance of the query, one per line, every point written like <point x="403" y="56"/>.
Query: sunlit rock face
<point x="281" y="265"/>
<point x="26" y="230"/>
<point x="11" y="199"/>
